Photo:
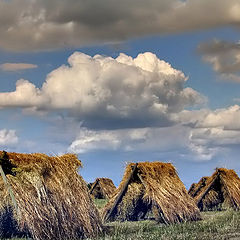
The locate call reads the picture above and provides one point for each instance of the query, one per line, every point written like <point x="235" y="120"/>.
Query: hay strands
<point x="9" y="189"/>
<point x="120" y="196"/>
<point x="230" y="185"/>
<point x="93" y="186"/>
<point x="207" y="190"/>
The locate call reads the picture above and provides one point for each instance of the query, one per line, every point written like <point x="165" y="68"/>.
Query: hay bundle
<point x="192" y="189"/>
<point x="196" y="188"/>
<point x="52" y="199"/>
<point x="221" y="191"/>
<point x="89" y="185"/>
<point x="102" y="188"/>
<point x="153" y="187"/>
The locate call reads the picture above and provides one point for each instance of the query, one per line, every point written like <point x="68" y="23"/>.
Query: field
<point x="215" y="225"/>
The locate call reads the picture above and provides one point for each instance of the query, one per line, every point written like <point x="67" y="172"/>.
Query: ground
<point x="215" y="225"/>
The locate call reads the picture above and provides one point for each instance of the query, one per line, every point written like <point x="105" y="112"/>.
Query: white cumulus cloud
<point x="106" y="92"/>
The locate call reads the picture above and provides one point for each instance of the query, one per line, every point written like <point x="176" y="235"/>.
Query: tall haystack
<point x="50" y="200"/>
<point x="102" y="188"/>
<point x="221" y="191"/>
<point x="196" y="188"/>
<point x="154" y="187"/>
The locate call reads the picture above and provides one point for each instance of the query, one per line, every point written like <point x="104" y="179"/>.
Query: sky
<point x="122" y="81"/>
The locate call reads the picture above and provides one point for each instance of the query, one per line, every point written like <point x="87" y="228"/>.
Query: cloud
<point x="212" y="131"/>
<point x="194" y="144"/>
<point x="226" y="118"/>
<point x="223" y="56"/>
<point x="8" y="137"/>
<point x="129" y="140"/>
<point x="12" y="67"/>
<point x="103" y="92"/>
<point x="28" y="25"/>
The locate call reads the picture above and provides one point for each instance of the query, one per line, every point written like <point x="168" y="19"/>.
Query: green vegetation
<point x="215" y="225"/>
<point x="220" y="225"/>
<point x="100" y="203"/>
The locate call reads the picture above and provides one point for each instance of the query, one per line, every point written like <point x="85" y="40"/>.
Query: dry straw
<point x="220" y="191"/>
<point x="53" y="200"/>
<point x="153" y="187"/>
<point x="196" y="188"/>
<point x="102" y="188"/>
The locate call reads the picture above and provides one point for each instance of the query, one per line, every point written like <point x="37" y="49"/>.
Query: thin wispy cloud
<point x="14" y="67"/>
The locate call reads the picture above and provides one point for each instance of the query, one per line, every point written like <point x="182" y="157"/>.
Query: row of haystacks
<point x="221" y="191"/>
<point x="52" y="199"/>
<point x="151" y="187"/>
<point x="102" y="188"/>
<point x="45" y="198"/>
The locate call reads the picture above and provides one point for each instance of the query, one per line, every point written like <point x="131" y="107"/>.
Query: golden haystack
<point x="221" y="191"/>
<point x="196" y="188"/>
<point x="102" y="188"/>
<point x="52" y="199"/>
<point x="153" y="187"/>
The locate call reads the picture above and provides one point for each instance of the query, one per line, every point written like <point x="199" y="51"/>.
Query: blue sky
<point x="164" y="88"/>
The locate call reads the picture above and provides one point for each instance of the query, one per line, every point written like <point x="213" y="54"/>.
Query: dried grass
<point x="196" y="190"/>
<point x="192" y="189"/>
<point x="53" y="200"/>
<point x="222" y="191"/>
<point x="102" y="188"/>
<point x="153" y="186"/>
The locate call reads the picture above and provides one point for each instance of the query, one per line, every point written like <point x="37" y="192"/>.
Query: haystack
<point x="221" y="191"/>
<point x="89" y="185"/>
<point x="50" y="200"/>
<point x="151" y="187"/>
<point x="102" y="188"/>
<point x="196" y="188"/>
<point x="192" y="189"/>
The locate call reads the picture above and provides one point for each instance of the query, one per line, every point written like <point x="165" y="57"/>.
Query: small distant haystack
<point x="196" y="188"/>
<point x="102" y="188"/>
<point x="192" y="189"/>
<point x="89" y="185"/>
<point x="151" y="187"/>
<point x="50" y="200"/>
<point x="221" y="191"/>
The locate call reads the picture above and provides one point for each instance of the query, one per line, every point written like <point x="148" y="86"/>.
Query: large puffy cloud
<point x="105" y="92"/>
<point x="8" y="137"/>
<point x="40" y="25"/>
<point x="223" y="56"/>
